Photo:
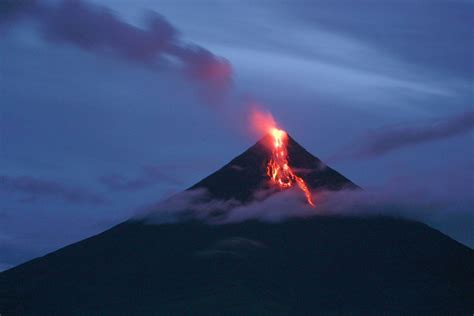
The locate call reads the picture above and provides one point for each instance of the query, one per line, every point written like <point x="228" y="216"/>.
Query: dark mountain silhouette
<point x="317" y="266"/>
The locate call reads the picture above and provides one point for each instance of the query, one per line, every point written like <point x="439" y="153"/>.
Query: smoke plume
<point x="98" y="30"/>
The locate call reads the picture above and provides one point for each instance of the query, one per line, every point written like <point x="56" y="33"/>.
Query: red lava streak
<point x="278" y="168"/>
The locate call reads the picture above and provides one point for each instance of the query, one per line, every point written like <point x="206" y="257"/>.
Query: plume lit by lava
<point x="278" y="168"/>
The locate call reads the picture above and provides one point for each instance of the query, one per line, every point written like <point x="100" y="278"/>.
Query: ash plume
<point x="98" y="30"/>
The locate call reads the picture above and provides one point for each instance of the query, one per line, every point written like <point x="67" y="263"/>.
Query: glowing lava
<point x="278" y="168"/>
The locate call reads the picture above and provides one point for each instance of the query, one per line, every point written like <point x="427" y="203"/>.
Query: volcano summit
<point x="247" y="174"/>
<point x="320" y="265"/>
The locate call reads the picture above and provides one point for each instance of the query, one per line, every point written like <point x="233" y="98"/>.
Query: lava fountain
<point x="278" y="169"/>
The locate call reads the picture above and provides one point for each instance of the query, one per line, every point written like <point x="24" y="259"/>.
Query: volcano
<point x="322" y="265"/>
<point x="246" y="174"/>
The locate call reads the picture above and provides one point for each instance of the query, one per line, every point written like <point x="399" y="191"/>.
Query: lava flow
<point x="278" y="168"/>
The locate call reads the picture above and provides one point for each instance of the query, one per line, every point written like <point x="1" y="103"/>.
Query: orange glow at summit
<point x="279" y="171"/>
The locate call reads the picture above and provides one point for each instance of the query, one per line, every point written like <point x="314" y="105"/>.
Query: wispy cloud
<point x="424" y="199"/>
<point x="32" y="188"/>
<point x="148" y="176"/>
<point x="391" y="138"/>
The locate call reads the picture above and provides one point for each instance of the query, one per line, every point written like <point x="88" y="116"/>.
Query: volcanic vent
<point x="254" y="171"/>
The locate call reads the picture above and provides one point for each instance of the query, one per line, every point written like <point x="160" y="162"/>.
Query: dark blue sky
<point x="110" y="105"/>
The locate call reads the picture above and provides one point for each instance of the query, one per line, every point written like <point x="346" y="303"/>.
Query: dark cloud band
<point x="149" y="176"/>
<point x="98" y="30"/>
<point x="32" y="188"/>
<point x="389" y="139"/>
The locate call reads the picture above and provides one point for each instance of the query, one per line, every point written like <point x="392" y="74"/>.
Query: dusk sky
<point x="111" y="105"/>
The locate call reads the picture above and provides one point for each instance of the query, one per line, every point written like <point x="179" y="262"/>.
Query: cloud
<point x="186" y="205"/>
<point x="424" y="198"/>
<point x="198" y="204"/>
<point x="96" y="29"/>
<point x="387" y="139"/>
<point x="431" y="45"/>
<point x="148" y="176"/>
<point x="31" y="188"/>
<point x="12" y="10"/>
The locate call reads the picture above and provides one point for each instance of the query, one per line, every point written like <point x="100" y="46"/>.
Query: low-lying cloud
<point x="98" y="30"/>
<point x="448" y="207"/>
<point x="410" y="203"/>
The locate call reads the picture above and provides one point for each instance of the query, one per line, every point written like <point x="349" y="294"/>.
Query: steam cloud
<point x="383" y="141"/>
<point x="428" y="201"/>
<point x="412" y="203"/>
<point x="96" y="29"/>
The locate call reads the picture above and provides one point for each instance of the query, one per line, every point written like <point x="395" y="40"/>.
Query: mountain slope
<point x="322" y="265"/>
<point x="319" y="265"/>
<point x="245" y="175"/>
